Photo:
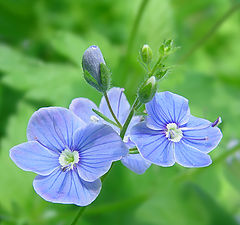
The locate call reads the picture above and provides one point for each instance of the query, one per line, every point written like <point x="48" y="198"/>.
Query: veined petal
<point x="200" y="134"/>
<point x="136" y="163"/>
<point x="82" y="107"/>
<point x="66" y="187"/>
<point x="53" y="127"/>
<point x="165" y="108"/>
<point x="98" y="145"/>
<point x="190" y="157"/>
<point x="127" y="139"/>
<point x="118" y="103"/>
<point x="153" y="145"/>
<point x="32" y="156"/>
<point x="135" y="120"/>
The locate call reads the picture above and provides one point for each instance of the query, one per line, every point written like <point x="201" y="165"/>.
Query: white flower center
<point x="68" y="158"/>
<point x="173" y="133"/>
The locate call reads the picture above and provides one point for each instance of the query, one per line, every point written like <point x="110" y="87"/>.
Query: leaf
<point x="69" y="45"/>
<point x="104" y="117"/>
<point x="16" y="185"/>
<point x="183" y="205"/>
<point x="52" y="82"/>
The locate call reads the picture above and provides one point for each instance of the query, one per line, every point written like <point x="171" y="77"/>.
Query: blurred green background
<point x="41" y="44"/>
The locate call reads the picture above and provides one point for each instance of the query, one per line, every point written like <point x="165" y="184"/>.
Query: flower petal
<point x="200" y="134"/>
<point x="32" y="156"/>
<point x="66" y="187"/>
<point x="82" y="107"/>
<point x="118" y="103"/>
<point x="53" y="127"/>
<point x="190" y="157"/>
<point x="165" y="108"/>
<point x="153" y="145"/>
<point x="98" y="146"/>
<point x="136" y="163"/>
<point x="135" y="120"/>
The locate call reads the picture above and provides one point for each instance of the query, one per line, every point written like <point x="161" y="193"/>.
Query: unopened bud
<point x="147" y="90"/>
<point x="96" y="73"/>
<point x="146" y="54"/>
<point x="166" y="47"/>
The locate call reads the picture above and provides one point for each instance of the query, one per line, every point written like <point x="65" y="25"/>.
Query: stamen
<point x="217" y="122"/>
<point x="68" y="159"/>
<point x="173" y="133"/>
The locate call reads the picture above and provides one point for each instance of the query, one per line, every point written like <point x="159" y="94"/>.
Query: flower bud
<point x="147" y="90"/>
<point x="166" y="47"/>
<point x="96" y="73"/>
<point x="146" y="54"/>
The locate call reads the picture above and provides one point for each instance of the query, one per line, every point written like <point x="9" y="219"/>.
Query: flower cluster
<point x="71" y="149"/>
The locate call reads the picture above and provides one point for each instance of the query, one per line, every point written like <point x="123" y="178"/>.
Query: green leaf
<point x="16" y="184"/>
<point x="69" y="45"/>
<point x="52" y="82"/>
<point x="105" y="77"/>
<point x="105" y="118"/>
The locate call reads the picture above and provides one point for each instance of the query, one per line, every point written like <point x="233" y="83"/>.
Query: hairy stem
<point x="111" y="110"/>
<point x="155" y="66"/>
<point x="128" y="120"/>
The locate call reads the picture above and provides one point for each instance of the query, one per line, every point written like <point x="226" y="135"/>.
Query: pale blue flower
<point x="68" y="155"/>
<point x="170" y="134"/>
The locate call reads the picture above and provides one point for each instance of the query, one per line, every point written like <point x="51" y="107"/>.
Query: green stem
<point x="105" y="118"/>
<point x="82" y="209"/>
<point x="212" y="30"/>
<point x="136" y="26"/>
<point x="111" y="110"/>
<point x="155" y="66"/>
<point x="128" y="120"/>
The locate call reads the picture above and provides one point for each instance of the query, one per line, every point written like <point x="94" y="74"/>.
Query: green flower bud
<point x="147" y="90"/>
<point x="96" y="73"/>
<point x="146" y="54"/>
<point x="166" y="47"/>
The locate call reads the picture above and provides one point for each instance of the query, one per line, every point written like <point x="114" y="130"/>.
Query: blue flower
<point x="68" y="155"/>
<point x="82" y="107"/>
<point x="170" y="134"/>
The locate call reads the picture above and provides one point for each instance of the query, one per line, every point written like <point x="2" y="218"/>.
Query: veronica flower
<point x="68" y="156"/>
<point x="170" y="134"/>
<point x="82" y="107"/>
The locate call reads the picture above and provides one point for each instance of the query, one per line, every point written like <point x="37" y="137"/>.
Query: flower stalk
<point x="111" y="110"/>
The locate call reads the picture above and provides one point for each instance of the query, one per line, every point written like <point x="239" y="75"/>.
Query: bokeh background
<point x="41" y="44"/>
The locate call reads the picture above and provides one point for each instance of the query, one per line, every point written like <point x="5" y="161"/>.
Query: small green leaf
<point x="105" y="118"/>
<point x="90" y="80"/>
<point x="105" y="76"/>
